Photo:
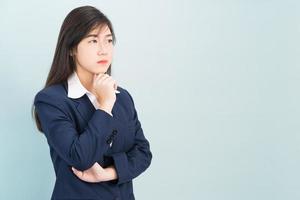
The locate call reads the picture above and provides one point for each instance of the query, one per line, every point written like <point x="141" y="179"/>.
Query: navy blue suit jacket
<point x="80" y="135"/>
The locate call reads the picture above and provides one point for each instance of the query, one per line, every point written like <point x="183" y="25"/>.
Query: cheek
<point x="85" y="56"/>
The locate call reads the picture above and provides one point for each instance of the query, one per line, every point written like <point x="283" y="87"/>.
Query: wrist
<point x="111" y="173"/>
<point x="105" y="110"/>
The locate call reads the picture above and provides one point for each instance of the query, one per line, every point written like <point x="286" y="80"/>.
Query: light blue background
<point x="215" y="83"/>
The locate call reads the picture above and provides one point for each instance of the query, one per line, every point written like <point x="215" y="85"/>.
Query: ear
<point x="72" y="52"/>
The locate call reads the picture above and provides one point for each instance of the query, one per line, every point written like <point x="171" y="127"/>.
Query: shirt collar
<point x="75" y="88"/>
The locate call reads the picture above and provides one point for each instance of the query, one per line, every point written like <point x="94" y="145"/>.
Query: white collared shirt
<point x="77" y="90"/>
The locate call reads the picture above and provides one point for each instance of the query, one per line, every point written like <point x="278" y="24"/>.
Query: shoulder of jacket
<point x="124" y="93"/>
<point x="126" y="100"/>
<point x="54" y="93"/>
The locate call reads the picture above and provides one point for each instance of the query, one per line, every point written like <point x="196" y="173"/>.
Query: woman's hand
<point x="96" y="174"/>
<point x="104" y="87"/>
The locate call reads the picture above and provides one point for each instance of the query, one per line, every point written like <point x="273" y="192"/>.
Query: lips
<point x="102" y="61"/>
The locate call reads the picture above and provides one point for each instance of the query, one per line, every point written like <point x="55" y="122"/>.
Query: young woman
<point x="96" y="141"/>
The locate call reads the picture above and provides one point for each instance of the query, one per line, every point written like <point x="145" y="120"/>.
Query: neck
<point x="86" y="78"/>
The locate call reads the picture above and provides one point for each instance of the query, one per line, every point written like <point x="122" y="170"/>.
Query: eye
<point x="93" y="41"/>
<point x="110" y="40"/>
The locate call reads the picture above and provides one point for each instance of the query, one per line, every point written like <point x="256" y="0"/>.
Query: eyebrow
<point x="95" y="35"/>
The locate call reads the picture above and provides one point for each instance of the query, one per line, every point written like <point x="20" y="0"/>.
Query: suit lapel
<point x="86" y="109"/>
<point x="83" y="105"/>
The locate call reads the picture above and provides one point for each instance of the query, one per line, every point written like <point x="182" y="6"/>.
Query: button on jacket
<point x="79" y="134"/>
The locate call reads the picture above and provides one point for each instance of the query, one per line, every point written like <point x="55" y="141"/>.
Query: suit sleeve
<point x="132" y="163"/>
<point x="80" y="150"/>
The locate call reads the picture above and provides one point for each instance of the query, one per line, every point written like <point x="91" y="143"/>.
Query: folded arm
<point x="132" y="163"/>
<point x="80" y="150"/>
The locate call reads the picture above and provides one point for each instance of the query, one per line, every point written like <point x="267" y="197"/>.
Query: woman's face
<point x="95" y="47"/>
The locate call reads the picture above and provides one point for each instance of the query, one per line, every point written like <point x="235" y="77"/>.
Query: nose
<point x="101" y="49"/>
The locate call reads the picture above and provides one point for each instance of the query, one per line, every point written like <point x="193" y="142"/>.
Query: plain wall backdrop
<point x="215" y="84"/>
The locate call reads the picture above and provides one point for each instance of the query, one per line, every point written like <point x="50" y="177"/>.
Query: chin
<point x="100" y="71"/>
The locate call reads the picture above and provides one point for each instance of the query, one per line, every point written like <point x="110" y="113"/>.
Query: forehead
<point x="100" y="30"/>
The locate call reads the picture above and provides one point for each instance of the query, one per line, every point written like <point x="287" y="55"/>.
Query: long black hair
<point x="77" y="24"/>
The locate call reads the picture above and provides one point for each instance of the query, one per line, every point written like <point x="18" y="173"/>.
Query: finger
<point x="107" y="80"/>
<point x="98" y="165"/>
<point x="77" y="172"/>
<point x="97" y="76"/>
<point x="82" y="176"/>
<point x="113" y="83"/>
<point x="101" y="77"/>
